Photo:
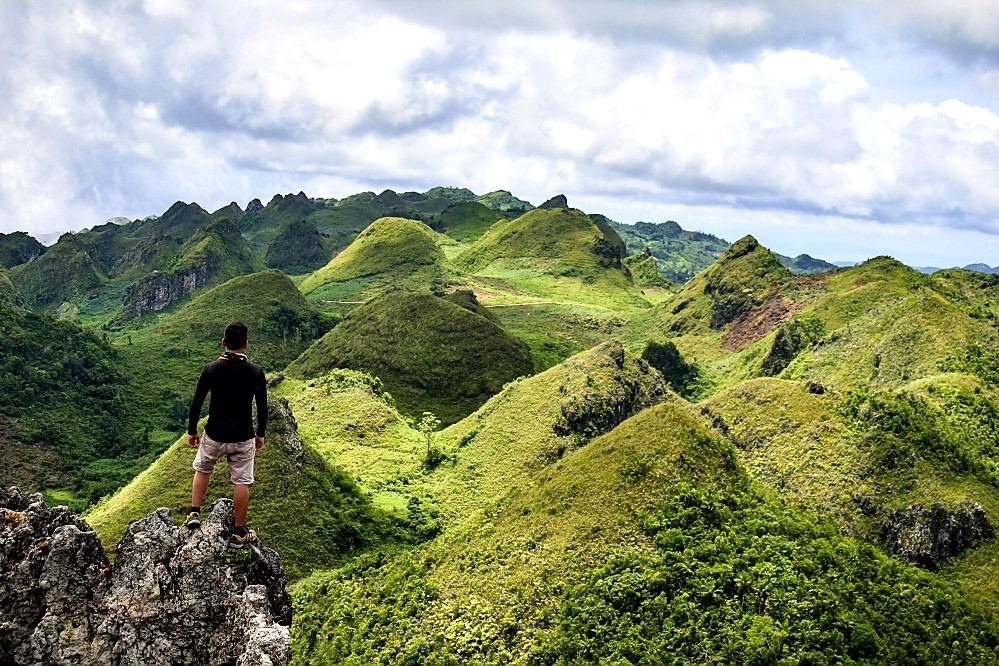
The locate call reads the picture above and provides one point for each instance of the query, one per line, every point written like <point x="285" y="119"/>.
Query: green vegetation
<point x="64" y="273"/>
<point x="467" y="221"/>
<point x="311" y="513"/>
<point x="165" y="357"/>
<point x="557" y="253"/>
<point x="432" y="354"/>
<point x="299" y="249"/>
<point x="390" y="252"/>
<point x="679" y="254"/>
<point x="636" y="545"/>
<point x="574" y="509"/>
<point x="17" y="248"/>
<point x="644" y="271"/>
<point x="8" y="293"/>
<point x="65" y="422"/>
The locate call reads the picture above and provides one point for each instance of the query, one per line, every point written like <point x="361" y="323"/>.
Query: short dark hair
<point x="235" y="335"/>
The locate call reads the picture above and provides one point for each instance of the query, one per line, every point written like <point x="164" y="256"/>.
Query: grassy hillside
<point x="165" y="357"/>
<point x="467" y="221"/>
<point x="66" y="272"/>
<point x="8" y="292"/>
<point x="66" y="427"/>
<point x="558" y="254"/>
<point x="393" y="252"/>
<point x="636" y="546"/>
<point x="432" y="354"/>
<point x="215" y="253"/>
<point x="880" y="323"/>
<point x="18" y="248"/>
<point x="679" y="254"/>
<point x="528" y="425"/>
<point x="311" y="513"/>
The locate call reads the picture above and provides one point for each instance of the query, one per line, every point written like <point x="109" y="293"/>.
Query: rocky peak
<point x="171" y="596"/>
<point x="254" y="206"/>
<point x="557" y="201"/>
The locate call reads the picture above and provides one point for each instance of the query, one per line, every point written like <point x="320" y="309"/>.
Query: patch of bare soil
<point x="756" y="323"/>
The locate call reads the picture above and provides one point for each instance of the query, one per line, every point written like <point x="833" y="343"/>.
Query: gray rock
<point x="172" y="596"/>
<point x="928" y="536"/>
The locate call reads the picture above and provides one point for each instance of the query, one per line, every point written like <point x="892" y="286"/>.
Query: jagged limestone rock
<point x="172" y="596"/>
<point x="928" y="536"/>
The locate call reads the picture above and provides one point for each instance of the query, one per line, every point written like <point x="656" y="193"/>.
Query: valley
<point x="503" y="433"/>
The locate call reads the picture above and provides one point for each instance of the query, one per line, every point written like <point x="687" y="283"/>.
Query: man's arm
<point x="195" y="412"/>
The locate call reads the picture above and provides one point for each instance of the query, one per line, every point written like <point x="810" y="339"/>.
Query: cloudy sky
<point x="844" y="130"/>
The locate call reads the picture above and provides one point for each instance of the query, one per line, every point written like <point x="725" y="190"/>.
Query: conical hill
<point x="166" y="357"/>
<point x="556" y="253"/>
<point x="648" y="540"/>
<point x="311" y="513"/>
<point x="392" y="251"/>
<point x="880" y="323"/>
<point x="432" y="354"/>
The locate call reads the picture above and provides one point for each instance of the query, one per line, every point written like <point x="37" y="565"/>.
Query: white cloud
<point x="122" y="109"/>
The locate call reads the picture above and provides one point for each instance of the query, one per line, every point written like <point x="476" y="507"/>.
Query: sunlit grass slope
<point x="557" y="254"/>
<point x="858" y="456"/>
<point x="527" y="426"/>
<point x="467" y="221"/>
<point x="311" y="513"/>
<point x="880" y="323"/>
<point x="646" y="545"/>
<point x="166" y="356"/>
<point x="391" y="252"/>
<point x="432" y="354"/>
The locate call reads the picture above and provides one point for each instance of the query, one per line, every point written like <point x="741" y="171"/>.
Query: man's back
<point x="233" y="382"/>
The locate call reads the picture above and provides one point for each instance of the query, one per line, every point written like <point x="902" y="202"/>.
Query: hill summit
<point x="432" y="354"/>
<point x="391" y="251"/>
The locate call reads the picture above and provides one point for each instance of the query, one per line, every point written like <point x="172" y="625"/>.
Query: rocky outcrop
<point x="158" y="290"/>
<point x="606" y="387"/>
<point x="928" y="536"/>
<point x="171" y="596"/>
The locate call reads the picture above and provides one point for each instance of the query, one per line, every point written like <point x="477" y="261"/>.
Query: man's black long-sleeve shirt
<point x="234" y="383"/>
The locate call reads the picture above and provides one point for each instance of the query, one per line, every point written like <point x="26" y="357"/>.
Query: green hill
<point x="18" y="248"/>
<point x="63" y="274"/>
<point x="215" y="253"/>
<point x="311" y="513"/>
<point x="297" y="250"/>
<point x="528" y="425"/>
<point x="648" y="541"/>
<point x="391" y="252"/>
<point x="880" y="323"/>
<point x="556" y="253"/>
<point x="8" y="293"/>
<point x="165" y="356"/>
<point x="467" y="221"/>
<point x="66" y="425"/>
<point x="432" y="354"/>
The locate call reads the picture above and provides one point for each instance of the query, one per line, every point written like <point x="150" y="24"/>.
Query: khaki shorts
<point x="239" y="454"/>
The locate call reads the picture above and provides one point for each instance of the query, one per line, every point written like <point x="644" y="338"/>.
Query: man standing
<point x="234" y="383"/>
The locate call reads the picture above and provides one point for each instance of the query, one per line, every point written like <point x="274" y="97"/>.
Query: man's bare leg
<point x="199" y="488"/>
<point x="240" y="500"/>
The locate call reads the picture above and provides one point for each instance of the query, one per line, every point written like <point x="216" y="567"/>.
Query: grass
<point x="166" y="354"/>
<point x="390" y="252"/>
<point x="647" y="541"/>
<point x="432" y="354"/>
